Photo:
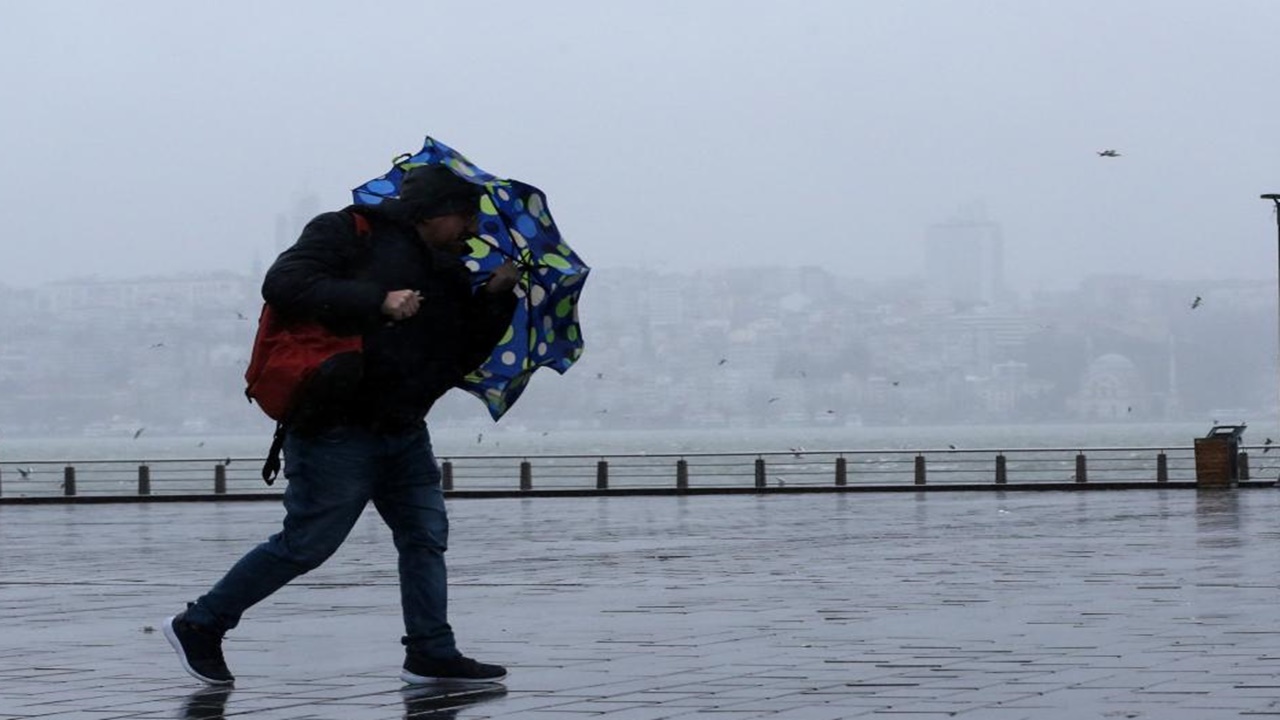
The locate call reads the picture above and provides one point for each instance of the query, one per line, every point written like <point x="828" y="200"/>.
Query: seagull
<point x="772" y="400"/>
<point x="1108" y="153"/>
<point x="1266" y="449"/>
<point x="953" y="447"/>
<point x="895" y="383"/>
<point x="26" y="472"/>
<point x="138" y="432"/>
<point x="722" y="361"/>
<point x="797" y="451"/>
<point x="226" y="463"/>
<point x="479" y="438"/>
<point x="157" y="345"/>
<point x="240" y="315"/>
<point x="1196" y="303"/>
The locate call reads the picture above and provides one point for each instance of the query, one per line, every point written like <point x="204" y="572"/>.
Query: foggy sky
<point x="159" y="137"/>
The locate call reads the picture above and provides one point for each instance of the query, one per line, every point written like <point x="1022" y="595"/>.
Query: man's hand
<point x="401" y="304"/>
<point x="503" y="279"/>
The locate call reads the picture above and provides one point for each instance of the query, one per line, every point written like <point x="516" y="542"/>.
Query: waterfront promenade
<point x="1151" y="603"/>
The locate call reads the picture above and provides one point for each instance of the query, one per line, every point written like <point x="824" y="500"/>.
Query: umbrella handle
<point x="525" y="274"/>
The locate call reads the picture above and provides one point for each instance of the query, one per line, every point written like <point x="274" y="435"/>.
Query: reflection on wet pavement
<point x="446" y="703"/>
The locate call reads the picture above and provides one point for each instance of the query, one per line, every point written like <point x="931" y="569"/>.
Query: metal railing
<point x="651" y="473"/>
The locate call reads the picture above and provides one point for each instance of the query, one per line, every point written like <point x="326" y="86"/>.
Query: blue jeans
<point x="332" y="476"/>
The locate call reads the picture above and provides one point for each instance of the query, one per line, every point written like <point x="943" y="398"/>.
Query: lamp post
<point x="1275" y="198"/>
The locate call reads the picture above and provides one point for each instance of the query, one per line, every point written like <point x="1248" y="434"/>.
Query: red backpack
<point x="285" y="354"/>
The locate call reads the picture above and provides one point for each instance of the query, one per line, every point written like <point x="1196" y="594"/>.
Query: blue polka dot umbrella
<point x="515" y="225"/>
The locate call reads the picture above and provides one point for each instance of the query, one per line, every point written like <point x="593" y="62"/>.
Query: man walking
<point x="404" y="289"/>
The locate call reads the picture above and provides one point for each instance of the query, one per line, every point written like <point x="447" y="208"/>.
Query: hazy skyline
<point x="159" y="137"/>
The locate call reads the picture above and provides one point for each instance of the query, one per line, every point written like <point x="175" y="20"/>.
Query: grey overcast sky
<point x="155" y="137"/>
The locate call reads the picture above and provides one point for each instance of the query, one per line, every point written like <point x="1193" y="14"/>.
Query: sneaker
<point x="199" y="649"/>
<point x="419" y="670"/>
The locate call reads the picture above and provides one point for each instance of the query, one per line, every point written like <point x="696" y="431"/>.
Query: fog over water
<point x="826" y="217"/>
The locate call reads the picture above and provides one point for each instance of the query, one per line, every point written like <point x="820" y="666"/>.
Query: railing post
<point x="1162" y="468"/>
<point x="219" y="479"/>
<point x="682" y="474"/>
<point x="1002" y="470"/>
<point x="446" y="475"/>
<point x="526" y="475"/>
<point x="1082" y="468"/>
<point x="1" y="483"/>
<point x="761" y="478"/>
<point x="1242" y="466"/>
<point x="68" y="481"/>
<point x="842" y="472"/>
<point x="144" y="480"/>
<point x="602" y="475"/>
<point x="920" y="470"/>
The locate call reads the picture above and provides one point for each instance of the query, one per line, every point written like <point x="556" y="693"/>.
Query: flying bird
<point x="797" y="451"/>
<point x="479" y="438"/>
<point x="1196" y="303"/>
<point x="138" y="432"/>
<point x="157" y="345"/>
<point x="1108" y="153"/>
<point x="772" y="400"/>
<point x="240" y="315"/>
<point x="1267" y="443"/>
<point x="25" y="473"/>
<point x="722" y="361"/>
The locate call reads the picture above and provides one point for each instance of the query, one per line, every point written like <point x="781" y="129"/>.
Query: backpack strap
<point x="271" y="467"/>
<point x="362" y="224"/>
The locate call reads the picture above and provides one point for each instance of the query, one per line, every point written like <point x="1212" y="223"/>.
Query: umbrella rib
<point x="527" y="267"/>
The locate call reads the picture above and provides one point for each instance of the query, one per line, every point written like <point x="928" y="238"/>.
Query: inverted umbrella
<point x="515" y="225"/>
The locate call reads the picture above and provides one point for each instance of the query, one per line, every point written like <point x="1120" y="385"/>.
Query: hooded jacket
<point x="340" y="279"/>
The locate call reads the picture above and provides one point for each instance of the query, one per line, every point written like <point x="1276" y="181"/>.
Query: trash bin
<point x="1217" y="456"/>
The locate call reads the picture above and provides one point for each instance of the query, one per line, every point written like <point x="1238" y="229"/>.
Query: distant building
<point x="288" y="226"/>
<point x="1110" y="390"/>
<point x="964" y="261"/>
<point x="154" y="296"/>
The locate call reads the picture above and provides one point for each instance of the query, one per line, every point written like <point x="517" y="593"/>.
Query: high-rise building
<point x="964" y="260"/>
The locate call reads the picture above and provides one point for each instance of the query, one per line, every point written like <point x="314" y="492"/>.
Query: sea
<point x="502" y="440"/>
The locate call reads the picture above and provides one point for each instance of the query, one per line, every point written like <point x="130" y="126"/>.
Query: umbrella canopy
<point x="515" y="225"/>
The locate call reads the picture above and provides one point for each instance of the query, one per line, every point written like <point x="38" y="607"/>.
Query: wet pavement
<point x="1122" y="604"/>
